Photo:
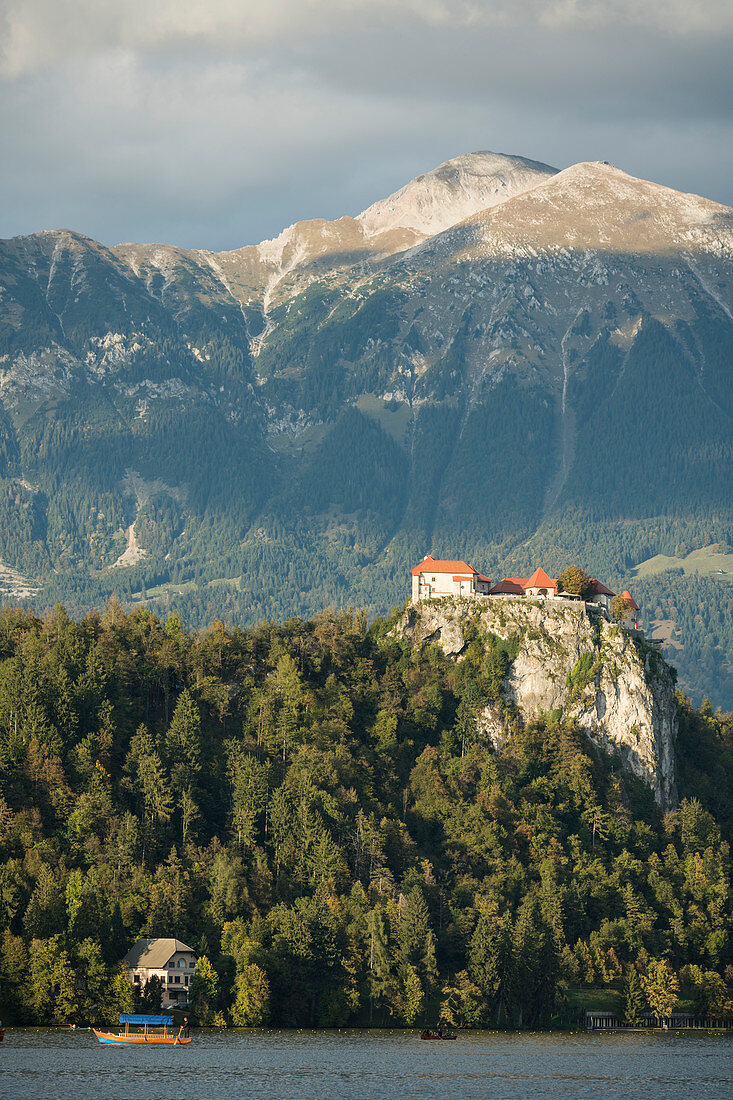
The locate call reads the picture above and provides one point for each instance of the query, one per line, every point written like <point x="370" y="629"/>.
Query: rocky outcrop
<point x="615" y="686"/>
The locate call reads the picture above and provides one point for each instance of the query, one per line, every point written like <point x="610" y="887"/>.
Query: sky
<point x="215" y="124"/>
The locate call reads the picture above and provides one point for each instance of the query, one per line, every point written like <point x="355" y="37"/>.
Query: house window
<point x="433" y="579"/>
<point x="177" y="979"/>
<point x="181" y="963"/>
<point x="185" y="979"/>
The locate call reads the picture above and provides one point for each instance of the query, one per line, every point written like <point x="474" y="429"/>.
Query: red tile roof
<point x="434" y="565"/>
<point x="626" y="595"/>
<point x="599" y="589"/>
<point x="509" y="586"/>
<point x="539" y="579"/>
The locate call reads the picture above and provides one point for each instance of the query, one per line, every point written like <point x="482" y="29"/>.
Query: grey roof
<point x="154" y="953"/>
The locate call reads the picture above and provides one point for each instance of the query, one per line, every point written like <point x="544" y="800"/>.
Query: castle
<point x="434" y="579"/>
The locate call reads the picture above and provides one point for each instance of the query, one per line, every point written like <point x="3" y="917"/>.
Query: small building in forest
<point x="170" y="960"/>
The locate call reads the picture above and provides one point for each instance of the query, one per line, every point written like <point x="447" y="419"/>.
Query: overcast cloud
<point x="215" y="124"/>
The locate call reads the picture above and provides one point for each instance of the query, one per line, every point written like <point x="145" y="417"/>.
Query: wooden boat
<point x="156" y="1031"/>
<point x="428" y="1034"/>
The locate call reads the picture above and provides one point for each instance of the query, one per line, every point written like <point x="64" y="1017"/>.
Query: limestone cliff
<point x="569" y="658"/>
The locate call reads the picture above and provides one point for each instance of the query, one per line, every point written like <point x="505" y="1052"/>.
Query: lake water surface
<point x="370" y="1065"/>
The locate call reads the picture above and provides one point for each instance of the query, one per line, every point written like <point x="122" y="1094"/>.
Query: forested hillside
<point x="310" y="806"/>
<point x="537" y="373"/>
<point x="695" y="614"/>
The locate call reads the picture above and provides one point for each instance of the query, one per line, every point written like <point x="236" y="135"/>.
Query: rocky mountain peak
<point x="452" y="192"/>
<point x="594" y="205"/>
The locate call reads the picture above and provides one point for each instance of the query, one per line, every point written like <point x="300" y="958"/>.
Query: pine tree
<point x="183" y="742"/>
<point x="380" y="974"/>
<point x="634" y="1000"/>
<point x="490" y="957"/>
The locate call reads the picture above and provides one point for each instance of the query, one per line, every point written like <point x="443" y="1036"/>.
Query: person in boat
<point x="186" y="1028"/>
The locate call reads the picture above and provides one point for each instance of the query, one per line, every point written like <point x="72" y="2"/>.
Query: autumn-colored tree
<point x="619" y="608"/>
<point x="661" y="987"/>
<point x="575" y="581"/>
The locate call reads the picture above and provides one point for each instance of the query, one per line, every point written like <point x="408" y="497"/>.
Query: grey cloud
<point x="42" y="32"/>
<point x="583" y="69"/>
<point x="215" y="126"/>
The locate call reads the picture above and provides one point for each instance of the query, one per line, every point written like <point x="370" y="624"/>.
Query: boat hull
<point x="141" y="1040"/>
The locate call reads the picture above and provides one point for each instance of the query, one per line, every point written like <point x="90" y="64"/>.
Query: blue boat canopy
<point x="151" y="1021"/>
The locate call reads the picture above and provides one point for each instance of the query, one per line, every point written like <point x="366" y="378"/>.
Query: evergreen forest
<point x="311" y="807"/>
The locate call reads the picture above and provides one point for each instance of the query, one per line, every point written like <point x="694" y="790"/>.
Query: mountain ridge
<point x="548" y="376"/>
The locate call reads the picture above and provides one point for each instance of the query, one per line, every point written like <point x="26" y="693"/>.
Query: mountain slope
<point x="499" y="361"/>
<point x="259" y="275"/>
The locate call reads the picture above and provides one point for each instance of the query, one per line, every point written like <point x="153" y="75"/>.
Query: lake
<point x="312" y="1065"/>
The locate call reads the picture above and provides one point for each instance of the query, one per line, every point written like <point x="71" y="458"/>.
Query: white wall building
<point x="432" y="579"/>
<point x="168" y="959"/>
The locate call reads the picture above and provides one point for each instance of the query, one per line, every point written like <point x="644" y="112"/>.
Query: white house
<point x="168" y="959"/>
<point x="433" y="579"/>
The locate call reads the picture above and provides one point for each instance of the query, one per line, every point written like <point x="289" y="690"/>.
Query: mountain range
<point x="500" y="362"/>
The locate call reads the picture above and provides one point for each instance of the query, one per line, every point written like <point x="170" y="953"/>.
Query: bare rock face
<point x="570" y="658"/>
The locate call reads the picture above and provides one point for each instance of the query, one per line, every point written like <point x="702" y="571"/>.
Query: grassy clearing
<point x="708" y="561"/>
<point x="161" y="589"/>
<point x="590" y="999"/>
<point x="665" y="630"/>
